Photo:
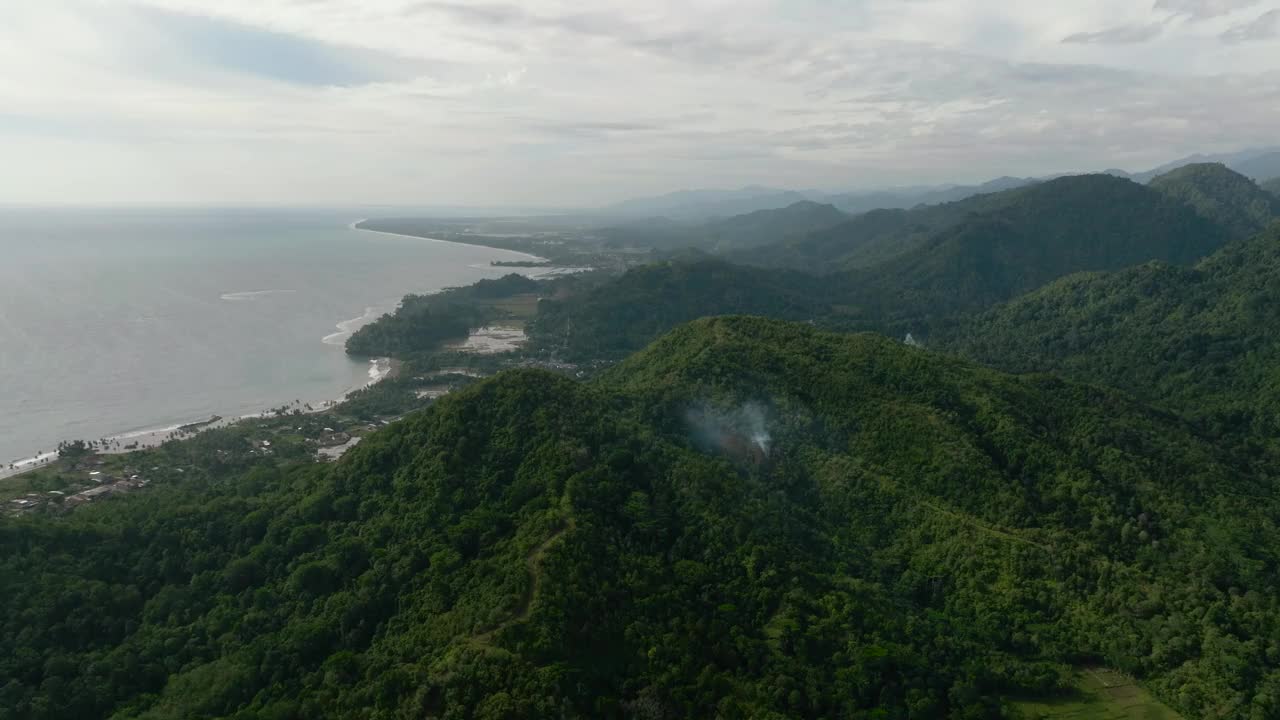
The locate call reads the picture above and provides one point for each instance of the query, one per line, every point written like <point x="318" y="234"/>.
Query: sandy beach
<point x="379" y="369"/>
<point x="525" y="257"/>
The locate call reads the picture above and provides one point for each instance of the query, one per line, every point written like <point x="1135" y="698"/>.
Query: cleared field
<point x="1104" y="695"/>
<point x="518" y="308"/>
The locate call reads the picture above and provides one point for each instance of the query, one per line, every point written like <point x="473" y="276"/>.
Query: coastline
<point x="129" y="441"/>
<point x="149" y="437"/>
<point x="524" y="257"/>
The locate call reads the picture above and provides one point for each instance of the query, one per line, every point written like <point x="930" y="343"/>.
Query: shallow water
<point x="113" y="322"/>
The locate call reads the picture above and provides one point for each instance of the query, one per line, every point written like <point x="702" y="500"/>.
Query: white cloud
<point x="1264" y="27"/>
<point x="1204" y="9"/>
<point x="549" y="101"/>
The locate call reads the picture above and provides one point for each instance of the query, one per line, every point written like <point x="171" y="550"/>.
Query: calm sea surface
<point x="118" y="321"/>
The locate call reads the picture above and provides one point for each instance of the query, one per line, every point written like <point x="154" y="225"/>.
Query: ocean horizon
<point x="120" y="322"/>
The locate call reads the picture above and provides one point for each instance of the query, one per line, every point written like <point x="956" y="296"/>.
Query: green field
<point x="1104" y="695"/>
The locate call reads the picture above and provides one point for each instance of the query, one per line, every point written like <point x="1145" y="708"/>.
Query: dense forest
<point x="1091" y="220"/>
<point x="734" y="516"/>
<point x="426" y="322"/>
<point x="613" y="319"/>
<point x="1200" y="340"/>
<point x="749" y="519"/>
<point x="945" y="262"/>
<point x="1222" y="196"/>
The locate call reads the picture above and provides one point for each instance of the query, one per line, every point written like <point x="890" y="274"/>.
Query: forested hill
<point x="1072" y="224"/>
<point x="620" y="316"/>
<point x="750" y="519"/>
<point x="1024" y="239"/>
<point x="1202" y="340"/>
<point x="866" y="239"/>
<point x="725" y="235"/>
<point x="767" y="226"/>
<point x="1272" y="186"/>
<point x="1222" y="196"/>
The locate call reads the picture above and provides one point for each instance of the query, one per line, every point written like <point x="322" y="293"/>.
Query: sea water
<point x="117" y="321"/>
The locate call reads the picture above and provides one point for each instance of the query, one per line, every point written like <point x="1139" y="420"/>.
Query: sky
<point x="576" y="103"/>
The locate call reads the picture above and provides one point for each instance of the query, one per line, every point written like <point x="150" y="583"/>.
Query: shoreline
<point x="524" y="256"/>
<point x="150" y="437"/>
<point x="142" y="439"/>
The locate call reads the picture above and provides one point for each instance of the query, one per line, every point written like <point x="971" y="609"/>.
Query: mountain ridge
<point x="750" y="517"/>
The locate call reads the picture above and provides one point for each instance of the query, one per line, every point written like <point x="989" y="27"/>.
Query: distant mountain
<point x="1037" y="234"/>
<point x="1200" y="340"/>
<point x="864" y="202"/>
<point x="980" y="252"/>
<point x="830" y="250"/>
<point x="1252" y="163"/>
<point x="768" y="226"/>
<point x="659" y="232"/>
<point x="625" y="314"/>
<point x="1072" y="210"/>
<point x="702" y="205"/>
<point x="1259" y="168"/>
<point x="740" y="231"/>
<point x="699" y="205"/>
<point x="1222" y="196"/>
<point x="1272" y="186"/>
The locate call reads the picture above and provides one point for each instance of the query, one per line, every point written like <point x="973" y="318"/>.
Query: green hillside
<point x="1095" y="221"/>
<point x="1071" y="224"/>
<point x="618" y="317"/>
<point x="725" y="235"/>
<point x="1200" y="339"/>
<point x="769" y="226"/>
<point x="1272" y="186"/>
<point x="749" y="519"/>
<point x="1035" y="235"/>
<point x="1222" y="196"/>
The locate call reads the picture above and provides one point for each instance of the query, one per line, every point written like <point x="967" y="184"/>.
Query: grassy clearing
<point x="1103" y="695"/>
<point x="518" y="309"/>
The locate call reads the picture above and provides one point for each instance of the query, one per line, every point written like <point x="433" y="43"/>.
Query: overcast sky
<point x="578" y="102"/>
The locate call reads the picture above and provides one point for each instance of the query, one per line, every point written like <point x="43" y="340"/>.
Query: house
<point x="94" y="493"/>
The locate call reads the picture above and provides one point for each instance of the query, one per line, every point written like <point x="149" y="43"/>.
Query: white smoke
<point x="732" y="430"/>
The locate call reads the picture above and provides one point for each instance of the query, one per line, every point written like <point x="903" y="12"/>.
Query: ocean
<point x="114" y="322"/>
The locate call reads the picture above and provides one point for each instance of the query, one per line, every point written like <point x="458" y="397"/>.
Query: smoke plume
<point x="741" y="432"/>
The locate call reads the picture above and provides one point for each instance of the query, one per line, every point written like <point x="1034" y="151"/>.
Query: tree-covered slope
<point x="1222" y="196"/>
<point x="425" y="322"/>
<point x="725" y="235"/>
<point x="750" y="519"/>
<point x="769" y="226"/>
<point x="1019" y="241"/>
<point x="1098" y="221"/>
<point x="1202" y="339"/>
<point x="1272" y="186"/>
<point x="876" y="234"/>
<point x="1072" y="224"/>
<point x="620" y="316"/>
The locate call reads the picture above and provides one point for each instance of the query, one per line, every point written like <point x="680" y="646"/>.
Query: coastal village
<point x="81" y="473"/>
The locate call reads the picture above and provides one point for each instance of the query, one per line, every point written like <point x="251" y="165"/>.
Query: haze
<point x="571" y="104"/>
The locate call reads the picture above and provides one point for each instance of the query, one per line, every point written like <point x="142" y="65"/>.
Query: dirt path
<point x="981" y="526"/>
<point x="532" y="564"/>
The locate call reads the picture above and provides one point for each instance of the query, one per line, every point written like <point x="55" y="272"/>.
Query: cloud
<point x="1120" y="35"/>
<point x="238" y="48"/>
<point x="1265" y="27"/>
<point x="451" y="102"/>
<point x="1204" y="9"/>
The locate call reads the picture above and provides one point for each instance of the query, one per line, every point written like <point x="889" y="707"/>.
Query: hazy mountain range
<point x="1258" y="164"/>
